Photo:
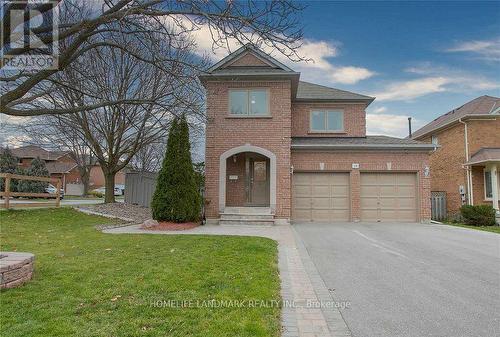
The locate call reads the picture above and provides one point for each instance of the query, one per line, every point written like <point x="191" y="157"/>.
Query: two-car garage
<point x="327" y="197"/>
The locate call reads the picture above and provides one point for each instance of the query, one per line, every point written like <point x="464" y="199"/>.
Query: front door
<point x="257" y="174"/>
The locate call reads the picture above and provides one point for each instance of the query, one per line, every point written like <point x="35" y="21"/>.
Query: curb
<point x="87" y="211"/>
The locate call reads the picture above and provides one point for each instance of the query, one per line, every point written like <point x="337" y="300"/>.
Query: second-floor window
<point x="327" y="121"/>
<point x="434" y="140"/>
<point x="249" y="102"/>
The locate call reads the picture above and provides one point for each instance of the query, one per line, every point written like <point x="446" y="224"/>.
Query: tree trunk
<point x="85" y="175"/>
<point x="86" y="182"/>
<point x="109" y="183"/>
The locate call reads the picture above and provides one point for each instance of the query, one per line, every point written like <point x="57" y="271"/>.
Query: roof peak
<point x="482" y="105"/>
<point x="249" y="48"/>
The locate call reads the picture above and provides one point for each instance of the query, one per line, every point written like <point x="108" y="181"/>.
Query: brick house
<point x="466" y="164"/>
<point x="61" y="165"/>
<point x="277" y="146"/>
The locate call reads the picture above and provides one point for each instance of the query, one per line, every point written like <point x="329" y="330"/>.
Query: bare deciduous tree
<point x="53" y="134"/>
<point x="115" y="133"/>
<point x="83" y="23"/>
<point x="149" y="157"/>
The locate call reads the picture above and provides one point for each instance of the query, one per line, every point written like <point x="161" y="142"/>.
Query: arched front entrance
<point x="252" y="180"/>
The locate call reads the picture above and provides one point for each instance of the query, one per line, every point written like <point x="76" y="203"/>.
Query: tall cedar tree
<point x="177" y="198"/>
<point x="36" y="169"/>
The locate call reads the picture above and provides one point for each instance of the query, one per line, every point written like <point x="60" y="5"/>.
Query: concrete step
<point x="246" y="222"/>
<point x="247" y="210"/>
<point x="241" y="216"/>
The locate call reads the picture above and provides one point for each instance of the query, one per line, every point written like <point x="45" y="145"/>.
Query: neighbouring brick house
<point x="298" y="151"/>
<point x="466" y="164"/>
<point x="61" y="165"/>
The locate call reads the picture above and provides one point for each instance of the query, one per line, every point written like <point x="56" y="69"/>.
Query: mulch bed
<point x="171" y="226"/>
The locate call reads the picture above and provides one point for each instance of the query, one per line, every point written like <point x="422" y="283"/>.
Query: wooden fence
<point x="7" y="194"/>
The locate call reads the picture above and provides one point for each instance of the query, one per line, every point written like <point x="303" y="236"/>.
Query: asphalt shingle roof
<point x="382" y="142"/>
<point x="55" y="167"/>
<point x="485" y="154"/>
<point x="33" y="151"/>
<point x="311" y="91"/>
<point x="304" y="90"/>
<point x="478" y="106"/>
<point x="239" y="71"/>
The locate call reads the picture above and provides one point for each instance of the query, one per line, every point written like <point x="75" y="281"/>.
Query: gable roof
<point x="273" y="69"/>
<point x="484" y="106"/>
<point x="311" y="91"/>
<point x="244" y="50"/>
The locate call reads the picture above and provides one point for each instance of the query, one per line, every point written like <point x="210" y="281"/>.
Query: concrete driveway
<point x="410" y="279"/>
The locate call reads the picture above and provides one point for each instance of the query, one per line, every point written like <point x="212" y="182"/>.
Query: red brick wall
<point x="97" y="177"/>
<point x="478" y="186"/>
<point x="354" y="119"/>
<point x="248" y="60"/>
<point x="225" y="133"/>
<point x="446" y="162"/>
<point x="368" y="161"/>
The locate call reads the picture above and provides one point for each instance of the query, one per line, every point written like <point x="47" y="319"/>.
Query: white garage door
<point x="321" y="197"/>
<point x="389" y="197"/>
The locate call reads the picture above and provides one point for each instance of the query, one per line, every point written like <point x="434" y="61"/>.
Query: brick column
<point x="355" y="181"/>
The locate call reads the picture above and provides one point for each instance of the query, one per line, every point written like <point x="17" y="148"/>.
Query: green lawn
<point x="493" y="229"/>
<point x="91" y="284"/>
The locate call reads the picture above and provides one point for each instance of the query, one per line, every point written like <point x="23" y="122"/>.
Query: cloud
<point x="318" y="52"/>
<point x="351" y="75"/>
<point x="434" y="79"/>
<point x="14" y="140"/>
<point x="379" y="110"/>
<point x="483" y="49"/>
<point x="408" y="90"/>
<point x="390" y="125"/>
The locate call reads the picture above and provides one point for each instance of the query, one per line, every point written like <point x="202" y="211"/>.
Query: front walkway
<point x="308" y="308"/>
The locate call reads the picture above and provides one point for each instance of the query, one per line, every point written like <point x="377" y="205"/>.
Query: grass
<point x="493" y="229"/>
<point x="87" y="283"/>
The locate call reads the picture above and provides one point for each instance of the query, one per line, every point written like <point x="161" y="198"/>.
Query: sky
<point x="419" y="59"/>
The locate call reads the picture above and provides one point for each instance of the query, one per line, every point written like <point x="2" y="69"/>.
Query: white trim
<point x="222" y="173"/>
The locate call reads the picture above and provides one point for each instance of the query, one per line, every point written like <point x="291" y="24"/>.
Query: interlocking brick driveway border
<point x="300" y="281"/>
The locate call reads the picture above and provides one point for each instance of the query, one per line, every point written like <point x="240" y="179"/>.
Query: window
<point x="488" y="192"/>
<point x="434" y="140"/>
<point x="487" y="185"/>
<point x="327" y="121"/>
<point x="253" y="102"/>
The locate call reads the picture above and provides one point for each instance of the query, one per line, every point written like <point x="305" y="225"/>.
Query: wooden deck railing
<point x="7" y="194"/>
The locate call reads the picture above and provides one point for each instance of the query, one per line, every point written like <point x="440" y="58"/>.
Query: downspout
<point x="470" y="199"/>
